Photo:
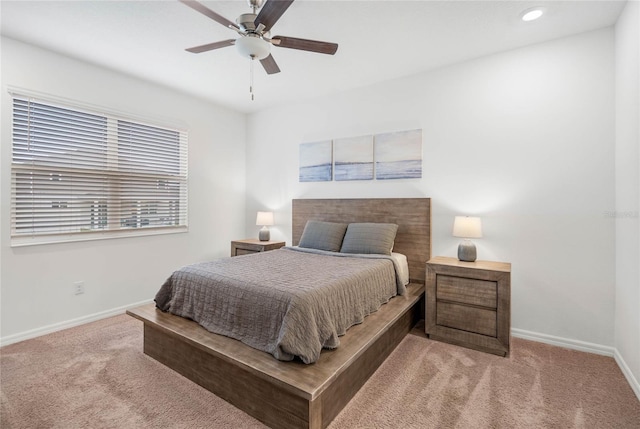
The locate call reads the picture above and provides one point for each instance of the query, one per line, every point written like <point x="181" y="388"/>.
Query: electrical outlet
<point x="78" y="288"/>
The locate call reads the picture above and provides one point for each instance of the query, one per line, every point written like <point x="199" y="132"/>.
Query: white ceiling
<point x="378" y="40"/>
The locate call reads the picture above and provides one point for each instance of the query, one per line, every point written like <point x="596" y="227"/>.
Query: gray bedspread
<point x="288" y="302"/>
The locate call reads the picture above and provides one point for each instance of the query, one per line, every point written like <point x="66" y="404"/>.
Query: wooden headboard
<point x="412" y="215"/>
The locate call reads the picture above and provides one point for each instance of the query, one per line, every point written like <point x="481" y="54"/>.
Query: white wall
<point x="524" y="139"/>
<point x="37" y="281"/>
<point x="627" y="304"/>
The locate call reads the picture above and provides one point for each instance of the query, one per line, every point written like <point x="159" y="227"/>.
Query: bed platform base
<point x="281" y="394"/>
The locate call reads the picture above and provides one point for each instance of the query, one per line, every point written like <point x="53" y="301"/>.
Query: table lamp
<point x="467" y="227"/>
<point x="265" y="219"/>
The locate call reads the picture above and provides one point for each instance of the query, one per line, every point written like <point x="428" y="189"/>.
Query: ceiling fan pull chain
<point x="251" y="76"/>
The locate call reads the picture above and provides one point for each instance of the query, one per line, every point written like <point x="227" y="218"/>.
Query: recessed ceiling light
<point x="532" y="14"/>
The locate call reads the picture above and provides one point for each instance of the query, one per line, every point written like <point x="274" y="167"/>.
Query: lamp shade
<point x="467" y="227"/>
<point x="264" y="218"/>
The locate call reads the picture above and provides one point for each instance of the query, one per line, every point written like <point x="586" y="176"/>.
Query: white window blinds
<point x="81" y="175"/>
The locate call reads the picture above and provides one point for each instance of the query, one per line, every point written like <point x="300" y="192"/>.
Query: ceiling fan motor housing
<point x="246" y="21"/>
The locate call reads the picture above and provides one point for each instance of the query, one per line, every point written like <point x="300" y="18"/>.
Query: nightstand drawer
<point x="468" y="291"/>
<point x="240" y="251"/>
<point x="471" y="319"/>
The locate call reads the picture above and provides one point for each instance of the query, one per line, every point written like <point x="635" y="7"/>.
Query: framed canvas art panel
<point x="353" y="158"/>
<point x="316" y="162"/>
<point x="398" y="155"/>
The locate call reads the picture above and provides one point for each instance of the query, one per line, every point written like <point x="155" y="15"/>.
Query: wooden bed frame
<point x="292" y="394"/>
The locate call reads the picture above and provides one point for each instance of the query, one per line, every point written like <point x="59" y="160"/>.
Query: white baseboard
<point x="584" y="347"/>
<point x="16" y="338"/>
<point x="633" y="382"/>
<point x="567" y="343"/>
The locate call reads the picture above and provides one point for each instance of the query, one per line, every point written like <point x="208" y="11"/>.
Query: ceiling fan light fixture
<point x="253" y="47"/>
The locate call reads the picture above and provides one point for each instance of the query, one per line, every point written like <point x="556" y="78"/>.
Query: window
<point x="79" y="175"/>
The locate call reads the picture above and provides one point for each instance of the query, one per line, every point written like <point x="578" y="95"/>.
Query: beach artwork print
<point x="399" y="155"/>
<point x="353" y="158"/>
<point x="315" y="162"/>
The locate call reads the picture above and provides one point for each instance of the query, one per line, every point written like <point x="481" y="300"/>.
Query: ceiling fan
<point x="254" y="30"/>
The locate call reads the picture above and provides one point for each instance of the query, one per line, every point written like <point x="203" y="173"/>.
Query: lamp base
<point x="467" y="251"/>
<point x="264" y="234"/>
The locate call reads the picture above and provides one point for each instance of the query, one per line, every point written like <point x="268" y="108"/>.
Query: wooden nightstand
<point x="469" y="303"/>
<point x="253" y="245"/>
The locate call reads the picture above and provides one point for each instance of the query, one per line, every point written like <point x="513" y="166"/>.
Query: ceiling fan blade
<point x="270" y="65"/>
<point x="271" y="13"/>
<point x="211" y="14"/>
<point x="212" y="46"/>
<point x="305" y="44"/>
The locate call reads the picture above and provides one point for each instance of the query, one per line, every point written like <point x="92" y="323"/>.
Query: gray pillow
<point x="369" y="238"/>
<point x="323" y="235"/>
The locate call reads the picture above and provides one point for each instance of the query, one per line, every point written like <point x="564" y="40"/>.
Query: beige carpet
<point x="96" y="376"/>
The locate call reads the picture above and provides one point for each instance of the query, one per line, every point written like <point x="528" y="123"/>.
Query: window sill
<point x="92" y="236"/>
